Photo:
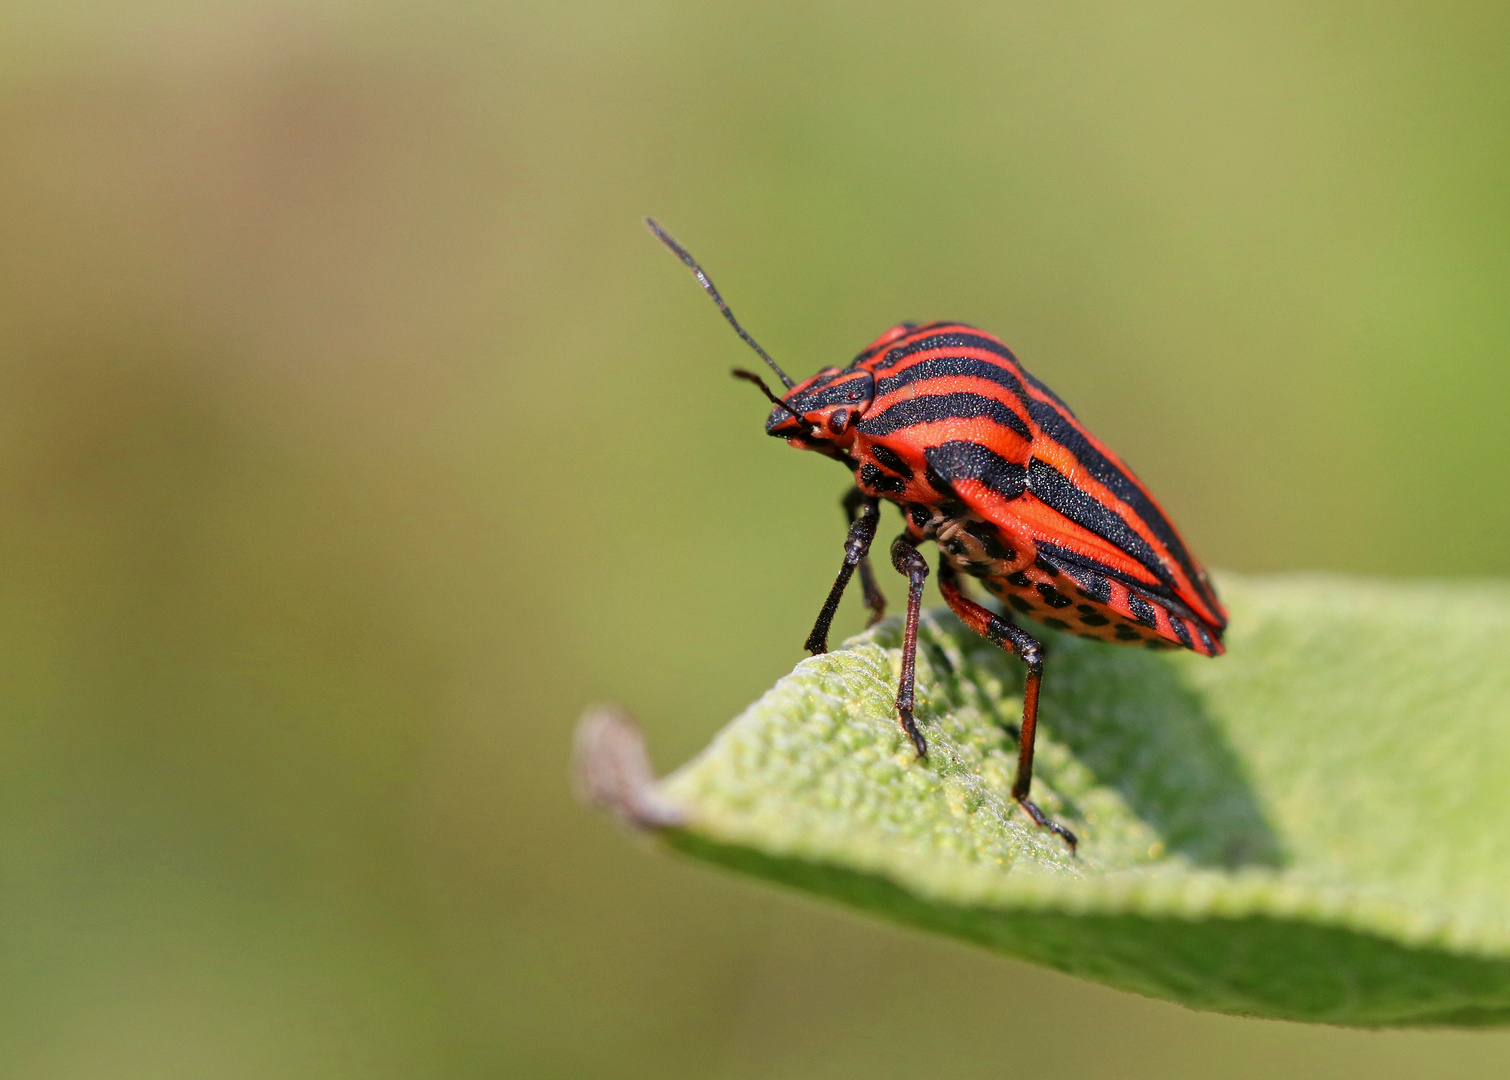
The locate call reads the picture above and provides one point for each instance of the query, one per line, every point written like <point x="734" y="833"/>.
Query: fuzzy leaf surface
<point x="1315" y="826"/>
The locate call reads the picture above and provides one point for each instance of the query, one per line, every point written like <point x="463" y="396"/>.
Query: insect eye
<point x="838" y="420"/>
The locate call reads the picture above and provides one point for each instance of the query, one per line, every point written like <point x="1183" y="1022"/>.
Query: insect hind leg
<point x="1002" y="631"/>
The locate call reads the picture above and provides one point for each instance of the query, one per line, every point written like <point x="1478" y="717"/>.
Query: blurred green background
<point x="354" y="435"/>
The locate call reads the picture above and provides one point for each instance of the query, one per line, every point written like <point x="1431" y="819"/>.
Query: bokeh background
<point x="354" y="435"/>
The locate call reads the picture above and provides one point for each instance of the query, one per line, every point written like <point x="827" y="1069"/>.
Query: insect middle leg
<point x="1002" y="631"/>
<point x="909" y="561"/>
<point x="864" y="515"/>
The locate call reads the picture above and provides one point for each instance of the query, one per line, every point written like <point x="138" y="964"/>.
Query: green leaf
<point x="1315" y="826"/>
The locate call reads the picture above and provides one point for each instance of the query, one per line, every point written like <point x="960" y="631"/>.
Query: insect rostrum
<point x="984" y="460"/>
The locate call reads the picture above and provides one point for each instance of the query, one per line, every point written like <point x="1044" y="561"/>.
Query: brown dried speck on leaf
<point x="612" y="771"/>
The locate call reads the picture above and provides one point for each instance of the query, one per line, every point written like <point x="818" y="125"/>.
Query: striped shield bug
<point x="987" y="462"/>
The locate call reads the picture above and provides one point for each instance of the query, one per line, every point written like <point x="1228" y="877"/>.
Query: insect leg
<point x="863" y="519"/>
<point x="1000" y="630"/>
<point x="909" y="560"/>
<point x="875" y="600"/>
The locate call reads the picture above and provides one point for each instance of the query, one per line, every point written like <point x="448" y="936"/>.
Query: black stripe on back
<point x="934" y="407"/>
<point x="1076" y="564"/>
<point x="943" y="367"/>
<point x="1045" y="391"/>
<point x="866" y="354"/>
<point x="890" y="459"/>
<point x="1055" y="490"/>
<point x="898" y="353"/>
<point x="970" y="461"/>
<point x="1142" y="609"/>
<point x="1058" y="427"/>
<point x="1092" y="582"/>
<point x="1083" y="567"/>
<point x="851" y="389"/>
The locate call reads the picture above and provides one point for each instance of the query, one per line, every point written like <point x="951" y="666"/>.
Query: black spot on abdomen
<point x="1091" y="617"/>
<point x="1052" y="596"/>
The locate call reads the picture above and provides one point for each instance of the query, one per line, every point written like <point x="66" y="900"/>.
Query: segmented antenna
<point x="750" y="376"/>
<point x="702" y="279"/>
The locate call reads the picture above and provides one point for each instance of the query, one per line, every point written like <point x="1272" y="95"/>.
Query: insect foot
<point x="1043" y="821"/>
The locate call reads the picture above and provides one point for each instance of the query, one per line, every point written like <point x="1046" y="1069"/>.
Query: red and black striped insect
<point x="987" y="462"/>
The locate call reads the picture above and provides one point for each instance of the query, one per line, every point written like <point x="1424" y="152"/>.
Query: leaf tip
<point x="611" y="770"/>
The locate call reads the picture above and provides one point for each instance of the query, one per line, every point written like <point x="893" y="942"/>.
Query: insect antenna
<point x="750" y="376"/>
<point x="707" y="284"/>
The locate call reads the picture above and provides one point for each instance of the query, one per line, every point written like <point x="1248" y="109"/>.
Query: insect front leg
<point x="875" y="599"/>
<point x="909" y="561"/>
<point x="864" y="516"/>
<point x="1002" y="631"/>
